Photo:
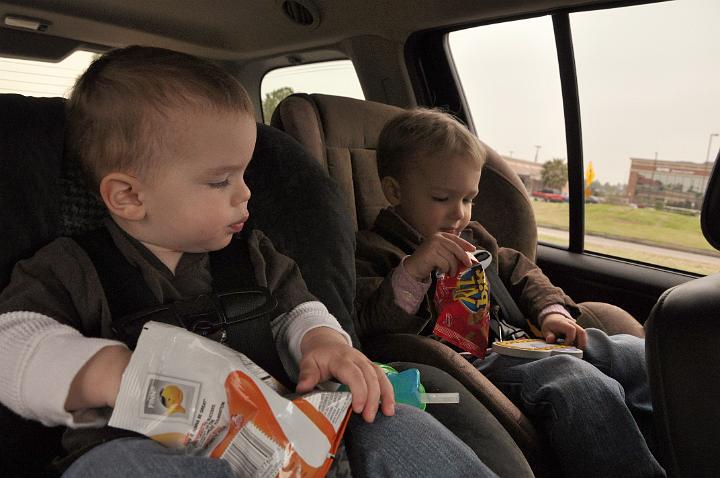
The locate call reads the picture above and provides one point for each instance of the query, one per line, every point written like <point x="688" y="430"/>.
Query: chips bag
<point x="192" y="393"/>
<point x="462" y="303"/>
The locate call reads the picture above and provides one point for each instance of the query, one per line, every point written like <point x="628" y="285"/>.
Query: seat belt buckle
<point x="208" y="315"/>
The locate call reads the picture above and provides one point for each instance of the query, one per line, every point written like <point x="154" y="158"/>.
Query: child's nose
<point x="457" y="211"/>
<point x="241" y="194"/>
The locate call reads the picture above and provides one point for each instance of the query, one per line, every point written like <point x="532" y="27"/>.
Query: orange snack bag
<point x="192" y="393"/>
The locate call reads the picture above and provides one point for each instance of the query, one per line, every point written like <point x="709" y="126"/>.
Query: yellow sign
<point x="589" y="178"/>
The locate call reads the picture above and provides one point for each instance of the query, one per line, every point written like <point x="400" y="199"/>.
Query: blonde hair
<point x="421" y="133"/>
<point x="117" y="114"/>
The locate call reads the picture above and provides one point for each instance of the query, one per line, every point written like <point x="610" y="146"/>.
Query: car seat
<point x="342" y="133"/>
<point x="684" y="365"/>
<point x="43" y="196"/>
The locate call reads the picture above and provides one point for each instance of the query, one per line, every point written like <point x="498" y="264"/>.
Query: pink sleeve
<point x="408" y="292"/>
<point x="553" y="309"/>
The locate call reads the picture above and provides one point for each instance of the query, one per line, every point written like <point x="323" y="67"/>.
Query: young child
<point x="589" y="411"/>
<point x="165" y="139"/>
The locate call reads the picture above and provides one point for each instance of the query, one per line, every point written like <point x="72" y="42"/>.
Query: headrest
<point x="45" y="197"/>
<point x="710" y="215"/>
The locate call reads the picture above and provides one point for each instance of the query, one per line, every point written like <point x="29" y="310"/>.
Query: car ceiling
<point x="242" y="30"/>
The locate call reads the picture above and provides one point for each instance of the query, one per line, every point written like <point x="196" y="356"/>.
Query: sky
<point x="648" y="78"/>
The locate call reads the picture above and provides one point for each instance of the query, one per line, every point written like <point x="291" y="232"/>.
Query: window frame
<point x="440" y="86"/>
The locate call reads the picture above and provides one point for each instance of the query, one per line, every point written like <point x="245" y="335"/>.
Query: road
<point x="603" y="241"/>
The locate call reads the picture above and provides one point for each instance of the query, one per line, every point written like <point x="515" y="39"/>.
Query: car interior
<point x="315" y="184"/>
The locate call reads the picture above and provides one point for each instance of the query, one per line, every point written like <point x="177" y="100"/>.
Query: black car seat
<point x="342" y="133"/>
<point x="684" y="364"/>
<point x="43" y="196"/>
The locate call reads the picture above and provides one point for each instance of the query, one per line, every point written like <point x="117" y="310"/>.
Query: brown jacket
<point x="380" y="250"/>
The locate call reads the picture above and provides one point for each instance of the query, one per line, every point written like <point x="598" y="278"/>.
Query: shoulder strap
<point x="123" y="284"/>
<point x="499" y="292"/>
<point x="231" y="270"/>
<point x="127" y="295"/>
<point x="510" y="323"/>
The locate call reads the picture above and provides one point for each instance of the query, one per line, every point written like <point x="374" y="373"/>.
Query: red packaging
<point x="463" y="306"/>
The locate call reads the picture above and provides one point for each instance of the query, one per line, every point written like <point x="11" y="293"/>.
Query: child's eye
<point x="219" y="185"/>
<point x="470" y="201"/>
<point x="439" y="199"/>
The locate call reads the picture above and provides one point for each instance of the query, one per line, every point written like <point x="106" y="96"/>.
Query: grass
<point x="646" y="226"/>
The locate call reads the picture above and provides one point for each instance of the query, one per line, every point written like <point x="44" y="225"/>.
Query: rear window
<point x="329" y="77"/>
<point x="41" y="78"/>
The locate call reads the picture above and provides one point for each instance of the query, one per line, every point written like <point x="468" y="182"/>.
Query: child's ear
<point x="391" y="190"/>
<point x="120" y="193"/>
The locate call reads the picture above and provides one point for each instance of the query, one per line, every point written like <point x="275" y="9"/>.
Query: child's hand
<point x="441" y="251"/>
<point x="556" y="325"/>
<point x="326" y="354"/>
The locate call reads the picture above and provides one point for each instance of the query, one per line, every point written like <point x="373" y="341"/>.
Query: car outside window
<point x="40" y="78"/>
<point x="329" y="77"/>
<point x="509" y="74"/>
<point x="649" y="102"/>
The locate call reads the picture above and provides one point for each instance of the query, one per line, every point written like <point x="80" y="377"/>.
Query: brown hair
<point x="423" y="132"/>
<point x="118" y="111"/>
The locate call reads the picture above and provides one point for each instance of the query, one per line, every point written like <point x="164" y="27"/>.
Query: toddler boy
<point x="589" y="411"/>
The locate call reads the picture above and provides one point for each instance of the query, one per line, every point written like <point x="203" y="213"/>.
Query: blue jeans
<point x="595" y="413"/>
<point x="410" y="444"/>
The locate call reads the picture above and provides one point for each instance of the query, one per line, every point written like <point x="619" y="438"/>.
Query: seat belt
<point x="510" y="323"/>
<point x="237" y="305"/>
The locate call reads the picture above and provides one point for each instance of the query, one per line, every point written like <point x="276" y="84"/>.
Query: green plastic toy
<point x="410" y="391"/>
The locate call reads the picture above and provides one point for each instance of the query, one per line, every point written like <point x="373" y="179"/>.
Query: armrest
<point x="609" y="318"/>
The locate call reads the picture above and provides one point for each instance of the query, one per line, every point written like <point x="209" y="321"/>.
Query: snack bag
<point x="192" y="393"/>
<point x="463" y="305"/>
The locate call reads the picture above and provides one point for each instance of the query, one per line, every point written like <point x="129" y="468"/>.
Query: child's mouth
<point x="237" y="227"/>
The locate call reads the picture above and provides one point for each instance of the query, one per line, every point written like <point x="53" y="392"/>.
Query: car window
<point x="649" y="101"/>
<point x="509" y="74"/>
<point x="329" y="77"/>
<point x="649" y="106"/>
<point x="41" y="78"/>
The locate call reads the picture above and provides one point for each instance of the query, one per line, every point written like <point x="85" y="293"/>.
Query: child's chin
<point x="210" y="246"/>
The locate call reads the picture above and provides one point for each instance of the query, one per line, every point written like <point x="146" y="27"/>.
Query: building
<point x="655" y="183"/>
<point x="530" y="173"/>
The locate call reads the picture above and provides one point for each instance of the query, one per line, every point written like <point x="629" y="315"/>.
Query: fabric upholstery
<point x="609" y="318"/>
<point x="342" y="134"/>
<point x="684" y="369"/>
<point x="683" y="362"/>
<point x="405" y="348"/>
<point x="43" y="196"/>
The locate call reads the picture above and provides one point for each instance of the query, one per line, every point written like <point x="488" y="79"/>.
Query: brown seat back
<point x="342" y="134"/>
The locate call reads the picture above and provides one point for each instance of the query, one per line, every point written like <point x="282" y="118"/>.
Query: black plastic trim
<point x="573" y="130"/>
<point x="588" y="277"/>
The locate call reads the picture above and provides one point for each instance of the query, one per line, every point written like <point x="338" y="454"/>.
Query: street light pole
<point x="707" y="155"/>
<point x="537" y="148"/>
<point x="707" y="160"/>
